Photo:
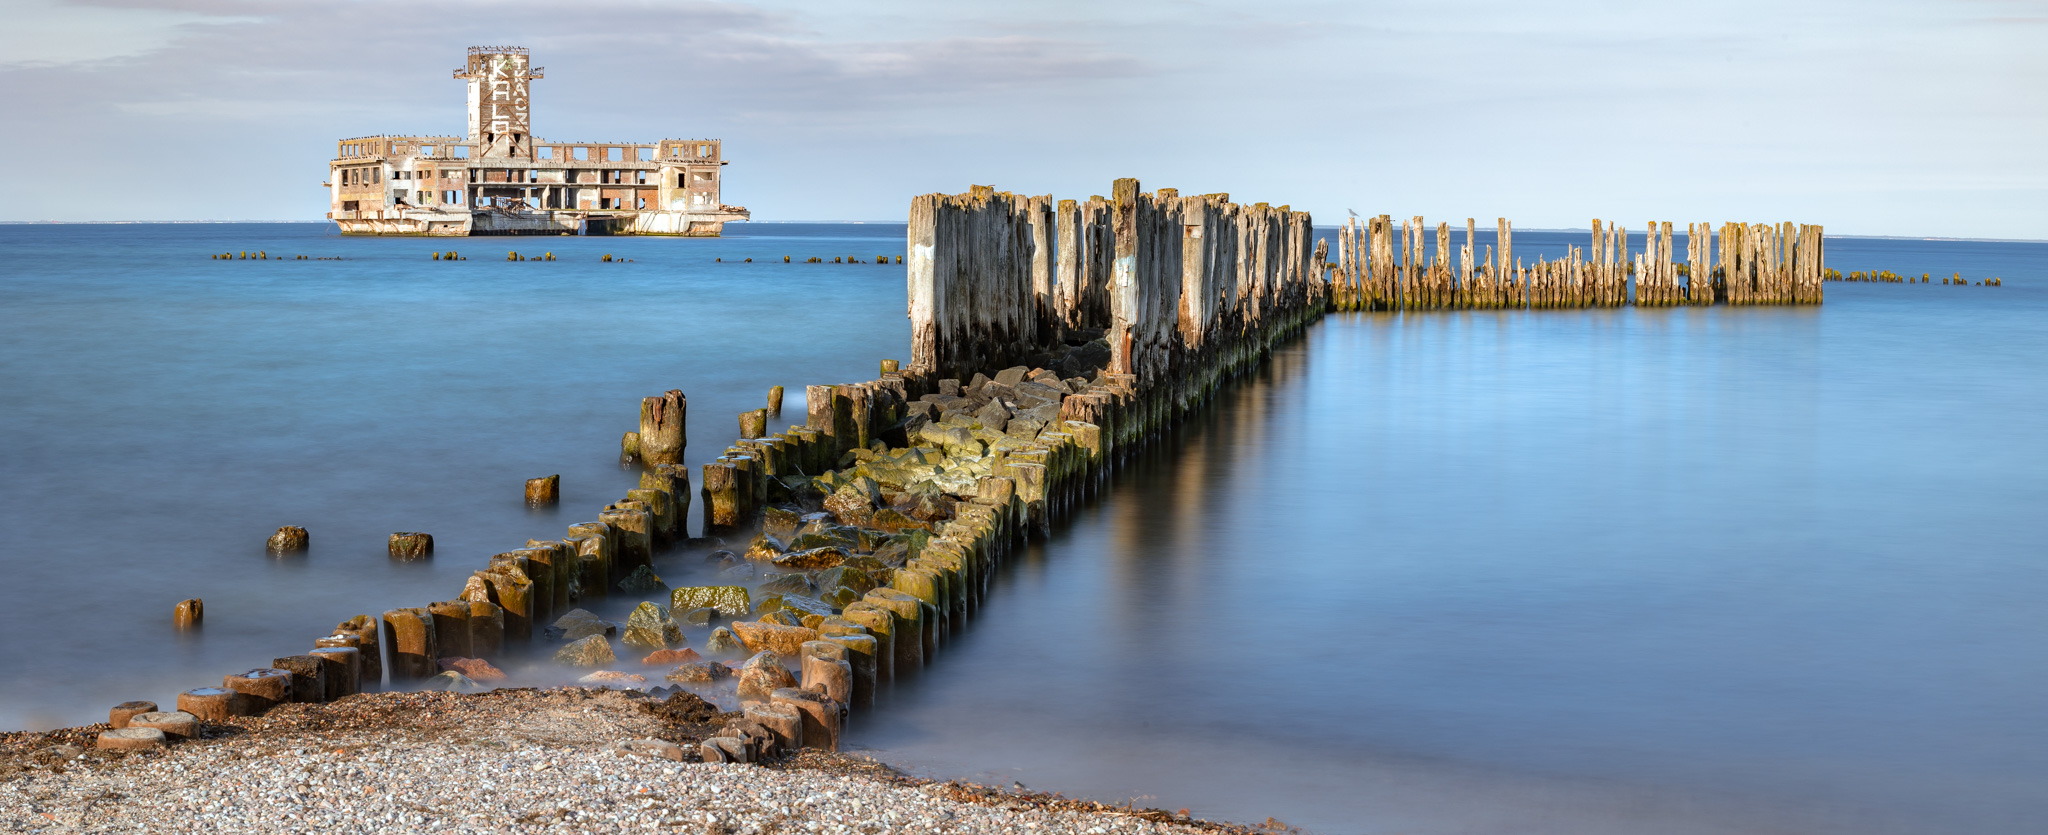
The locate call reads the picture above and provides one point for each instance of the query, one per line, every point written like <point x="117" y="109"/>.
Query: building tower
<point x="499" y="116"/>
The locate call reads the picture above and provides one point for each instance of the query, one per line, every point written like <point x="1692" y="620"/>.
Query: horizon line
<point x="1576" y="230"/>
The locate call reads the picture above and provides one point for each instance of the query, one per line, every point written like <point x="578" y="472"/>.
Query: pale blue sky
<point x="1893" y="118"/>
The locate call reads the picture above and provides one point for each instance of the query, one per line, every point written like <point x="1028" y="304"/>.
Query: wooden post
<point x="545" y="491"/>
<point x="754" y="423"/>
<point x="662" y="437"/>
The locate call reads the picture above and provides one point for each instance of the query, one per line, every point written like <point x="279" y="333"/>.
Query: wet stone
<point x="800" y="604"/>
<point x="764" y="547"/>
<point x="814" y="558"/>
<point x="593" y="651"/>
<point x="700" y="672"/>
<point x="613" y="678"/>
<point x="670" y="657"/>
<point x="649" y="628"/>
<point x="700" y="616"/>
<point x="453" y="682"/>
<point x="731" y="601"/>
<point x="476" y="668"/>
<point x="993" y="416"/>
<point x="789" y="584"/>
<point x="579" y="624"/>
<point x="643" y="580"/>
<point x="780" y="639"/>
<point x="783" y="618"/>
<point x="846" y="576"/>
<point x="762" y="675"/>
<point x="723" y="641"/>
<point x="781" y="523"/>
<point x="289" y="539"/>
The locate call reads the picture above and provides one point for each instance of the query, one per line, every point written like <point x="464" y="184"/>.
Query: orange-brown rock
<point x="787" y="641"/>
<point x="668" y="656"/>
<point x="476" y="668"/>
<point x="762" y="675"/>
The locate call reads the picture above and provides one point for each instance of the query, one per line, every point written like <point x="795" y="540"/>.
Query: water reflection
<point x="1577" y="572"/>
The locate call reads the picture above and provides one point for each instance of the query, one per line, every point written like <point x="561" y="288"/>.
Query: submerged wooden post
<point x="545" y="491"/>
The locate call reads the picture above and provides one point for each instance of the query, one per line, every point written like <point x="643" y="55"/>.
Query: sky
<point x="1871" y="117"/>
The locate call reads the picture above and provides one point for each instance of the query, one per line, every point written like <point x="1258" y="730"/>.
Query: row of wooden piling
<point x="1889" y="277"/>
<point x="1181" y="287"/>
<point x="262" y="255"/>
<point x="1380" y="267"/>
<point x="1254" y="304"/>
<point x="510" y="600"/>
<point x="1198" y="281"/>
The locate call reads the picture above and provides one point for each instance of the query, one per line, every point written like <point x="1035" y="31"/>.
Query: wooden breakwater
<point x="872" y="529"/>
<point x="1183" y="289"/>
<point x="1889" y="277"/>
<point x="1382" y="267"/>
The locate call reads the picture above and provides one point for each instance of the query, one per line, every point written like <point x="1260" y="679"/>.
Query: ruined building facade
<point x="500" y="179"/>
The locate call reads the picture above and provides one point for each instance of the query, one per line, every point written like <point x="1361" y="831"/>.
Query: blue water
<point x="1673" y="571"/>
<point x="164" y="413"/>
<point x="1727" y="570"/>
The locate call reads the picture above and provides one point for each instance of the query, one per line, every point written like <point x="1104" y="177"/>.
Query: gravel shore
<point x="505" y="761"/>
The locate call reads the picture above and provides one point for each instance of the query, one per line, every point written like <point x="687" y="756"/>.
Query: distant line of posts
<point x="1382" y="267"/>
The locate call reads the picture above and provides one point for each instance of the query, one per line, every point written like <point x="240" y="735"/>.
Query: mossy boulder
<point x="764" y="547"/>
<point x="847" y="576"/>
<point x="793" y="602"/>
<point x="731" y="601"/>
<point x="593" y="651"/>
<point x="722" y="640"/>
<point x="815" y="558"/>
<point x="650" y="628"/>
<point x="789" y="584"/>
<point x="781" y="523"/>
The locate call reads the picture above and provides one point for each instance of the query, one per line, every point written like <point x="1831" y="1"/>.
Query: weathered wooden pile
<point x="1184" y="289"/>
<point x="1757" y="264"/>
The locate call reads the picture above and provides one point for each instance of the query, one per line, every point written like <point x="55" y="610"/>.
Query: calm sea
<point x="1678" y="571"/>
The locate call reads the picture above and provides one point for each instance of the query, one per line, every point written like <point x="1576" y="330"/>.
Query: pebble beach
<point x="504" y="761"/>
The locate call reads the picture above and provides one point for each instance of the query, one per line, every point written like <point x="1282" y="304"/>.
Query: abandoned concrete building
<point x="500" y="179"/>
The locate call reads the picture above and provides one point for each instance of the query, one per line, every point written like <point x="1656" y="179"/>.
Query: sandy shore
<point x="504" y="761"/>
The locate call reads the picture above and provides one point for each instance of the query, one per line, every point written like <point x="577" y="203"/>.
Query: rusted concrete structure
<point x="499" y="179"/>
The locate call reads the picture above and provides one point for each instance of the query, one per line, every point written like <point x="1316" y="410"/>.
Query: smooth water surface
<point x="164" y="413"/>
<point x="1765" y="570"/>
<point x="1677" y="571"/>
